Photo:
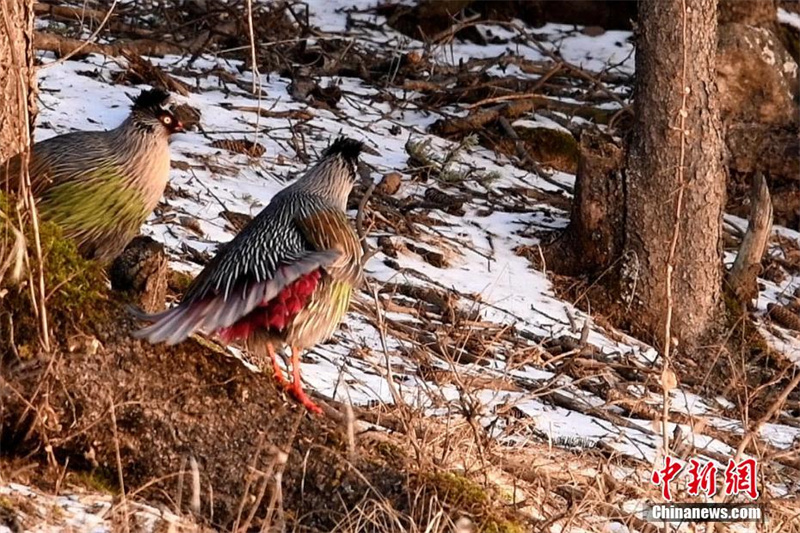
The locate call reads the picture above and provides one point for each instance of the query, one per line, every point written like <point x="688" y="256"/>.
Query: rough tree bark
<point x="16" y="72"/>
<point x="594" y="238"/>
<point x="675" y="57"/>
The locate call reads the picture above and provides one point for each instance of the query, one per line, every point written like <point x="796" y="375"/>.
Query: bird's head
<point x="336" y="173"/>
<point x="344" y="150"/>
<point x="150" y="111"/>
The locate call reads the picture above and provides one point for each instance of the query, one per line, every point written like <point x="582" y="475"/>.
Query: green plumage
<point x="98" y="202"/>
<point x="323" y="313"/>
<point x="97" y="213"/>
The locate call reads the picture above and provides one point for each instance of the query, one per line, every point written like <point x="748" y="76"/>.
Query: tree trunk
<point x="595" y="235"/>
<point x="673" y="172"/>
<point x="16" y="76"/>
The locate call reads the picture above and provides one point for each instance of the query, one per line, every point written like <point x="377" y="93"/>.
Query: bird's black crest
<point x="153" y="98"/>
<point x="346" y="147"/>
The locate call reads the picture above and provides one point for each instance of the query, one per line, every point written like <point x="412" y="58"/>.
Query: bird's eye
<point x="166" y="120"/>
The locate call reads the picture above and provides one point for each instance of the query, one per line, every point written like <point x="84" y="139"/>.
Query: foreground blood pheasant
<point x="286" y="278"/>
<point x="100" y="186"/>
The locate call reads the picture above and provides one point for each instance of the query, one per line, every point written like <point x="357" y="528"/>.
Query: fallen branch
<point x="517" y="108"/>
<point x="66" y="46"/>
<point x="521" y="96"/>
<point x="68" y="13"/>
<point x="152" y="74"/>
<point x="743" y="274"/>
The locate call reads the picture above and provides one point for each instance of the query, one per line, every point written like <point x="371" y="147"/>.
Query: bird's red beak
<point x="179" y="127"/>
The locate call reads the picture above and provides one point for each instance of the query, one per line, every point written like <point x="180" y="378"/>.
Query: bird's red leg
<point x="296" y="388"/>
<point x="276" y="368"/>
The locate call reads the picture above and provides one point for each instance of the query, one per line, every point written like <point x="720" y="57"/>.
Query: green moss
<point x="74" y="287"/>
<point x="179" y="282"/>
<point x="6" y="503"/>
<point x="555" y="148"/>
<point x="457" y="490"/>
<point x="463" y="495"/>
<point x="390" y="451"/>
<point x="97" y="480"/>
<point x="76" y="282"/>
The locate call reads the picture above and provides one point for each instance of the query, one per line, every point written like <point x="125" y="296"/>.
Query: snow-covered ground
<point x="522" y="396"/>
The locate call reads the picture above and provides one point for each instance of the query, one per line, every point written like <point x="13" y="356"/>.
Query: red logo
<point x="739" y="478"/>
<point x="704" y="478"/>
<point x="672" y="467"/>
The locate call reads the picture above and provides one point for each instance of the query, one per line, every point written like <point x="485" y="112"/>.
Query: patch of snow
<point x="787" y="17"/>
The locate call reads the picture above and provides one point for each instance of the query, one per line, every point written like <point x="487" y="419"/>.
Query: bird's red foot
<point x="277" y="372"/>
<point x="296" y="390"/>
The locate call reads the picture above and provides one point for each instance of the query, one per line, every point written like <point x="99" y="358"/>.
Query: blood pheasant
<point x="100" y="186"/>
<point x="286" y="278"/>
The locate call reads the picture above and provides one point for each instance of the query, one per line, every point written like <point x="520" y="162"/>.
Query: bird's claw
<point x="296" y="390"/>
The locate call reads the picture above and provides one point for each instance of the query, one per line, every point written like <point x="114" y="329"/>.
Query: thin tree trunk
<point x="675" y="57"/>
<point x="16" y="76"/>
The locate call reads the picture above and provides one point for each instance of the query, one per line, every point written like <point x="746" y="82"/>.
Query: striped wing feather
<point x="221" y="311"/>
<point x="329" y="229"/>
<point x="56" y="160"/>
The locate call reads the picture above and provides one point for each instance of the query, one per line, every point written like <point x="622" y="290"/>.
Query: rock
<point x="773" y="150"/>
<point x="756" y="76"/>
<point x="551" y="147"/>
<point x="188" y="115"/>
<point x="424" y="19"/>
<point x="141" y="269"/>
<point x="390" y="183"/>
<point x="593" y="31"/>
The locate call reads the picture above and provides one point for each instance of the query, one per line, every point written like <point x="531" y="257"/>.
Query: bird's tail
<point x="173" y="325"/>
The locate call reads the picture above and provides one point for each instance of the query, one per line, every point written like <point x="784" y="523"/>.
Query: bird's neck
<point x="144" y="154"/>
<point x="330" y="180"/>
<point x="334" y="194"/>
<point x="142" y="126"/>
<point x="134" y="138"/>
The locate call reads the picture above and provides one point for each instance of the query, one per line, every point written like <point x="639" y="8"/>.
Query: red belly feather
<point x="277" y="313"/>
